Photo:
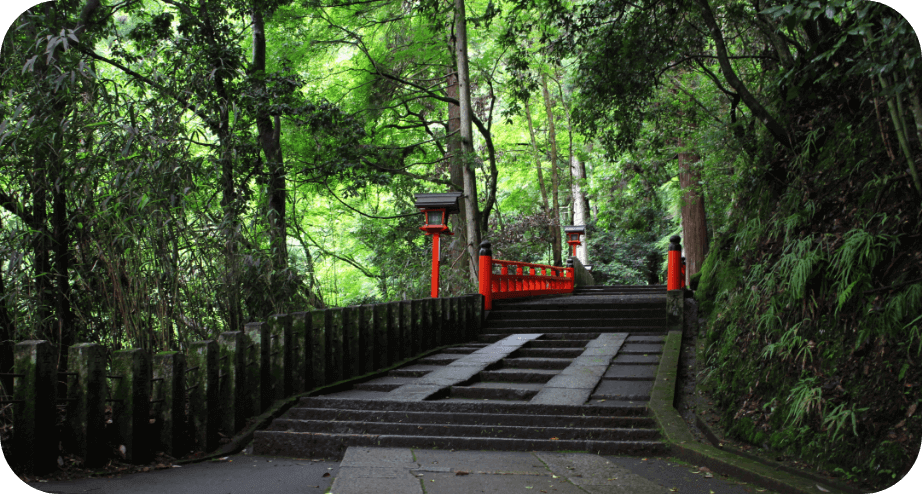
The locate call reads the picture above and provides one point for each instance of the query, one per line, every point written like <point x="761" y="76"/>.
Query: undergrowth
<point x="813" y="297"/>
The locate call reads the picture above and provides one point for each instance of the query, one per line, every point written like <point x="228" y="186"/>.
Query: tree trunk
<point x="694" y="221"/>
<point x="545" y="206"/>
<point x="270" y="141"/>
<point x="555" y="183"/>
<point x="467" y="143"/>
<point x="580" y="211"/>
<point x="456" y="173"/>
<point x="7" y="333"/>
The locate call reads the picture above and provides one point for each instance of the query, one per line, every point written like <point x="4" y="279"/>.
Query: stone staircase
<point x="547" y="374"/>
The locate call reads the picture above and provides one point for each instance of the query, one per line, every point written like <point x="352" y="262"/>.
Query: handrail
<point x="513" y="281"/>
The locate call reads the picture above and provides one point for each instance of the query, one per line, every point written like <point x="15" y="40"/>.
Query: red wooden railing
<point x="511" y="279"/>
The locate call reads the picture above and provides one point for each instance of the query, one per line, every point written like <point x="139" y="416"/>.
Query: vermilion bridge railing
<point x="519" y="279"/>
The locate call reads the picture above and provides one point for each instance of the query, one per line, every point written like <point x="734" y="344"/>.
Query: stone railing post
<point x="317" y="347"/>
<point x="366" y="339"/>
<point x="416" y="327"/>
<point x="258" y="367"/>
<point x="335" y="345"/>
<point x="405" y="339"/>
<point x="300" y="351"/>
<point x="232" y="347"/>
<point x="279" y="356"/>
<point x="435" y="323"/>
<point x="352" y="349"/>
<point x="131" y="408"/>
<point x="170" y="399"/>
<point x="35" y="444"/>
<point x="675" y="310"/>
<point x="381" y="328"/>
<point x="398" y="345"/>
<point x="203" y="394"/>
<point x="86" y="409"/>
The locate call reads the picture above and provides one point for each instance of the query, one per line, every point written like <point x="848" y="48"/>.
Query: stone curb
<point x="244" y="437"/>
<point x="683" y="445"/>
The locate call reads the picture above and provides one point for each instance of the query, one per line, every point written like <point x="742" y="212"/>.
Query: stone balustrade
<point x="180" y="402"/>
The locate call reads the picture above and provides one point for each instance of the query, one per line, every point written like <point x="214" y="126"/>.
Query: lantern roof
<point x="447" y="201"/>
<point x="575" y="229"/>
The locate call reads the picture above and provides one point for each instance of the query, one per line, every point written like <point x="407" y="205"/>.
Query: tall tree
<point x="467" y="141"/>
<point x="555" y="180"/>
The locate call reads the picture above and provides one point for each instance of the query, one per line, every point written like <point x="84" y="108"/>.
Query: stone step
<point x="482" y="419"/>
<point x="496" y="391"/>
<point x="602" y="303"/>
<point x="439" y="359"/>
<point x="386" y="383"/>
<point x="635" y="360"/>
<point x="556" y="344"/>
<point x="413" y="370"/>
<point x="623" y="390"/>
<point x="462" y="430"/>
<point x="646" y="338"/>
<point x="463" y="350"/>
<point x="536" y="363"/>
<point x="535" y="324"/>
<point x="481" y="407"/>
<point x="518" y="375"/>
<point x="631" y="348"/>
<point x="547" y="353"/>
<point x="576" y="314"/>
<point x="322" y="445"/>
<point x="631" y="372"/>
<point x="659" y="329"/>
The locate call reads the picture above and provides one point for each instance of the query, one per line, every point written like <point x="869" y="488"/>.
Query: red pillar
<point x="435" y="265"/>
<point x="674" y="271"/>
<point x="486" y="274"/>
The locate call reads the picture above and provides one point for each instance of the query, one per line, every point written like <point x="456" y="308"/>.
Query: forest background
<point x="170" y="170"/>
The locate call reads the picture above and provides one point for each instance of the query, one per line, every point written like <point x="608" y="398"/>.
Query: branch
<point x="13" y="206"/>
<point x="774" y="128"/>
<point x="365" y="214"/>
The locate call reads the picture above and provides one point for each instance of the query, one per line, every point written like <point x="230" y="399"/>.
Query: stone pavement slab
<point x="471" y="472"/>
<point x="240" y="474"/>
<point x="461" y="369"/>
<point x="574" y="385"/>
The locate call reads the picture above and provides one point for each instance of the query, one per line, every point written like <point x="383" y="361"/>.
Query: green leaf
<point x="143" y="202"/>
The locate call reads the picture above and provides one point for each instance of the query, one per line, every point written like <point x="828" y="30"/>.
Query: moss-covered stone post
<point x="300" y="351"/>
<point x="203" y="394"/>
<point x="465" y="313"/>
<point x="352" y="353"/>
<point x="334" y="353"/>
<point x="131" y="406"/>
<point x="675" y="310"/>
<point x="476" y="318"/>
<point x="86" y="409"/>
<point x="232" y="347"/>
<point x="406" y="328"/>
<point x="367" y="338"/>
<point x="416" y="327"/>
<point x="396" y="346"/>
<point x="317" y="347"/>
<point x="258" y="367"/>
<point x="457" y="319"/>
<point x="170" y="401"/>
<point x="380" y="324"/>
<point x="436" y="323"/>
<point x="280" y="356"/>
<point x="35" y="445"/>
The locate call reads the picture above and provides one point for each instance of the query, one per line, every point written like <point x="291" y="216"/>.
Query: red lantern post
<point x="437" y="208"/>
<point x="573" y="233"/>
<point x="674" y="264"/>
